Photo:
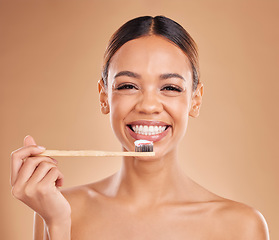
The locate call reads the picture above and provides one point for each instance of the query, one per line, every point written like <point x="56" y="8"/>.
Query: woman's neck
<point x="146" y="183"/>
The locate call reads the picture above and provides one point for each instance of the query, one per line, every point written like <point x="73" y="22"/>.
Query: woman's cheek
<point x="120" y="107"/>
<point x="178" y="110"/>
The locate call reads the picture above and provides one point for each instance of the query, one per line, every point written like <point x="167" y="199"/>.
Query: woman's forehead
<point x="150" y="54"/>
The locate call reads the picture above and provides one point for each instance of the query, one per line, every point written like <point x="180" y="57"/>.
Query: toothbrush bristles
<point x="143" y="146"/>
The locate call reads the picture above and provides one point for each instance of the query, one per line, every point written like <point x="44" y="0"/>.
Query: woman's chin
<point x="147" y="158"/>
<point x="159" y="156"/>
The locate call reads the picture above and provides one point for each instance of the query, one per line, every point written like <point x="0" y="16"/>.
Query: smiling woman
<point x="150" y="87"/>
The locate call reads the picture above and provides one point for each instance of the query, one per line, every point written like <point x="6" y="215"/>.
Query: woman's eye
<point x="126" y="86"/>
<point x="172" y="88"/>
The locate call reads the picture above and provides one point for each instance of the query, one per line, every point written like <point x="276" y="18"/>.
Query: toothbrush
<point x="142" y="148"/>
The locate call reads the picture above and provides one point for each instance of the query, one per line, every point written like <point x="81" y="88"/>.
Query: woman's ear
<point x="103" y="97"/>
<point x="196" y="101"/>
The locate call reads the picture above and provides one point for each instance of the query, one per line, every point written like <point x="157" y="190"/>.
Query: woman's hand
<point x="34" y="181"/>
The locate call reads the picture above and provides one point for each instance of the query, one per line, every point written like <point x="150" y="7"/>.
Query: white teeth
<point x="156" y="130"/>
<point x="145" y="130"/>
<point x="148" y="130"/>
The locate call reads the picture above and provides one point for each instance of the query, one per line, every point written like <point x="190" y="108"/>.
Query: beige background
<point x="51" y="57"/>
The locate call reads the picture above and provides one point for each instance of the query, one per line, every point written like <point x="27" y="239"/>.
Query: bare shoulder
<point x="230" y="220"/>
<point x="80" y="195"/>
<point x="85" y="198"/>
<point x="241" y="221"/>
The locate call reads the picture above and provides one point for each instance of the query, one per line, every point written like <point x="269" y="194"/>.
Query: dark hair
<point x="147" y="26"/>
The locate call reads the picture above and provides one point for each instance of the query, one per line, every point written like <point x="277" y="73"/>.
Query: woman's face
<point x="149" y="94"/>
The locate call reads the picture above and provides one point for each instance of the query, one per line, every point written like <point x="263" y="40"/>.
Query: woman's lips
<point x="154" y="138"/>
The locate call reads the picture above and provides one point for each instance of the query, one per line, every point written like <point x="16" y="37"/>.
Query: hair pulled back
<point x="159" y="26"/>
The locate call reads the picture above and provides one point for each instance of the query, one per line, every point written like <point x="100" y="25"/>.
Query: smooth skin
<point x="149" y="197"/>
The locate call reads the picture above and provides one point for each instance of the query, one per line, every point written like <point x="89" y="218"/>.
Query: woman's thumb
<point x="28" y="140"/>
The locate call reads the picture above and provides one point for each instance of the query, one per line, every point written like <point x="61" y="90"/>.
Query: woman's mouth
<point x="147" y="130"/>
<point x="152" y="131"/>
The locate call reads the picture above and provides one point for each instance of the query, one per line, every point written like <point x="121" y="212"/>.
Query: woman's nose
<point x="149" y="103"/>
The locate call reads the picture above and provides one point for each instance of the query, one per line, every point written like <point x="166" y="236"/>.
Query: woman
<point x="150" y="86"/>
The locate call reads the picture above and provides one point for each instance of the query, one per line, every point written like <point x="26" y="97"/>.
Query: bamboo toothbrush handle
<point x="92" y="153"/>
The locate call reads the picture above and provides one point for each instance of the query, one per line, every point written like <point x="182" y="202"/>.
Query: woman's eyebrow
<point x="128" y="74"/>
<point x="136" y="75"/>
<point x="171" y="75"/>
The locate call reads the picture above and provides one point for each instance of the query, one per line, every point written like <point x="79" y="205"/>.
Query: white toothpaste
<point x="139" y="143"/>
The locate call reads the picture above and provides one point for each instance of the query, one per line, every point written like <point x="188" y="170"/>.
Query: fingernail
<point x="41" y="148"/>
